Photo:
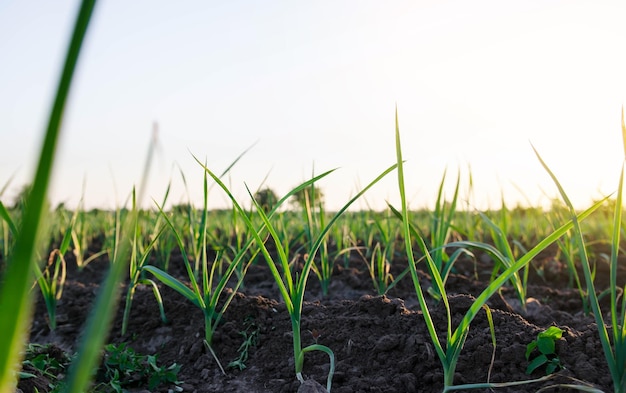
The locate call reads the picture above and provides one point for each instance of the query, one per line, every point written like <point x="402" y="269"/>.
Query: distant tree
<point x="313" y="194"/>
<point x="181" y="208"/>
<point x="266" y="198"/>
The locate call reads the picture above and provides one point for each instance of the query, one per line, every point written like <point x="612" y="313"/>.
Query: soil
<point x="380" y="343"/>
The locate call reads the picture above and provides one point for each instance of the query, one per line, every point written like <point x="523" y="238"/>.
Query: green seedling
<point x="8" y="228"/>
<point x="449" y="352"/>
<point x="441" y="224"/>
<point x="207" y="294"/>
<point x="48" y="361"/>
<point x="545" y="344"/>
<point x="292" y="284"/>
<point x="312" y="203"/>
<point x="568" y="251"/>
<point x="382" y="254"/>
<point x="82" y="235"/>
<point x="195" y="236"/>
<point x="52" y="279"/>
<point x="123" y="368"/>
<point x="138" y="259"/>
<point x="51" y="282"/>
<point x="613" y="345"/>
<point x="250" y="339"/>
<point x="378" y="259"/>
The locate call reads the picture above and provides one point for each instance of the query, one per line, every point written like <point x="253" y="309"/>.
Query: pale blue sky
<point x="316" y="84"/>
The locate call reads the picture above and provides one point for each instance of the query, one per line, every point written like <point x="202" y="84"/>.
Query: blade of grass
<point x="615" y="352"/>
<point x="409" y="252"/>
<point x="15" y="300"/>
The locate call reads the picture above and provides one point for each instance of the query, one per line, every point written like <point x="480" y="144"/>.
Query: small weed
<point x="46" y="362"/>
<point x="123" y="368"/>
<point x="545" y="344"/>
<point x="250" y="339"/>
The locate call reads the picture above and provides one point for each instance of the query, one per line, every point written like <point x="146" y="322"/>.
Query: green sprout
<point x="250" y="339"/>
<point x="545" y="344"/>
<point x="206" y="294"/>
<point x="291" y="284"/>
<point x="124" y="368"/>
<point x="614" y="343"/>
<point x="449" y="352"/>
<point x="51" y="281"/>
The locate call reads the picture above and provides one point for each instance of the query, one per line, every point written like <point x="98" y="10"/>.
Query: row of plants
<point x="295" y="245"/>
<point x="212" y="257"/>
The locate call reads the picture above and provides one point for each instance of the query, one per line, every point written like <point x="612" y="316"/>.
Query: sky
<point x="314" y="86"/>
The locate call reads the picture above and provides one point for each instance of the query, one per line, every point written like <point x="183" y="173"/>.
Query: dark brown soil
<point x="380" y="342"/>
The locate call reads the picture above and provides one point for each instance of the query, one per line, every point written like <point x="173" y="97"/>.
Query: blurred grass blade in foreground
<point x="15" y="299"/>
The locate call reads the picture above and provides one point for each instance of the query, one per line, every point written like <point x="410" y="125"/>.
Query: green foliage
<point x="380" y="251"/>
<point x="51" y="282"/>
<point x="15" y="299"/>
<point x="545" y="344"/>
<point x="449" y="352"/>
<point x="292" y="284"/>
<point x="140" y="253"/>
<point x="123" y="368"/>
<point x="45" y="361"/>
<point x="250" y="339"/>
<point x="613" y="344"/>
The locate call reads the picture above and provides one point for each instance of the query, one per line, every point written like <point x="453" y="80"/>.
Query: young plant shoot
<point x="292" y="284"/>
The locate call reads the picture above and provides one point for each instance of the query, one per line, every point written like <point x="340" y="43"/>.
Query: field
<point x="367" y="311"/>
<point x="276" y="294"/>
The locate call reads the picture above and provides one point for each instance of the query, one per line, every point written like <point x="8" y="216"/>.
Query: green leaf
<point x="4" y="214"/>
<point x="537" y="362"/>
<point x="529" y="349"/>
<point x="173" y="283"/>
<point x="545" y="345"/>
<point x="553" y="365"/>
<point x="552" y="332"/>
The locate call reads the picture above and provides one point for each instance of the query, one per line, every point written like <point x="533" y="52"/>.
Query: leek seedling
<point x="8" y="228"/>
<point x="568" y="251"/>
<point x="196" y="235"/>
<point x="455" y="339"/>
<point x="81" y="238"/>
<point x="341" y="240"/>
<point x="164" y="248"/>
<point x="502" y="254"/>
<point x="51" y="283"/>
<point x="441" y="223"/>
<point x="9" y="233"/>
<point x="292" y="284"/>
<point x="614" y="345"/>
<point x="380" y="253"/>
<point x="323" y="270"/>
<point x="138" y="258"/>
<point x="205" y="297"/>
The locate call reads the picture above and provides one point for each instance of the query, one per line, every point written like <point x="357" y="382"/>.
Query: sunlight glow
<point x="316" y="85"/>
